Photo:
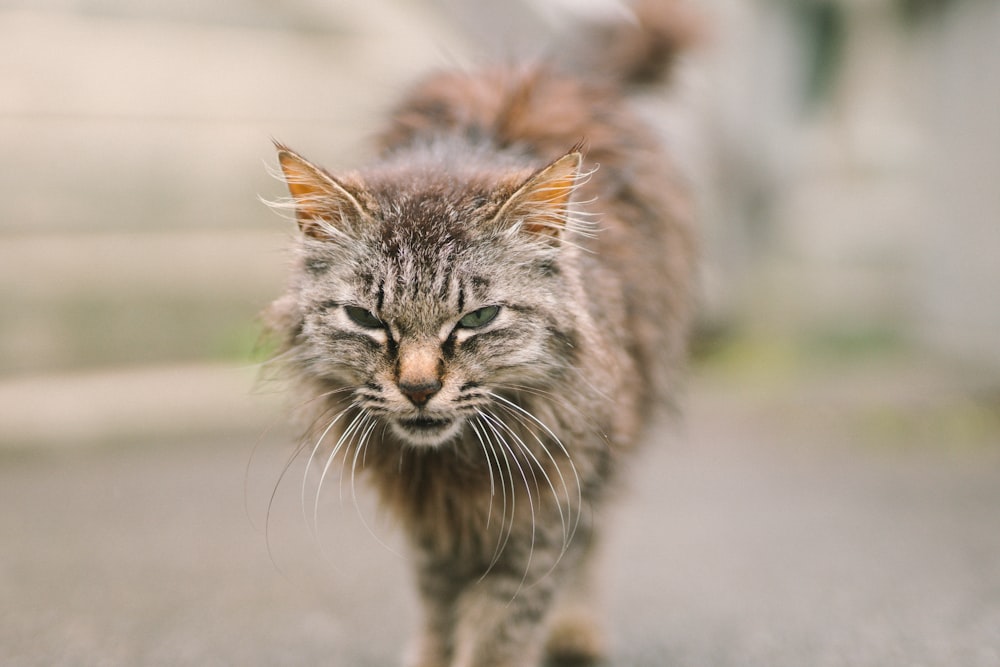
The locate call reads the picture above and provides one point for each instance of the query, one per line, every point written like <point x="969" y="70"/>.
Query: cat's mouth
<point x="426" y="430"/>
<point x="426" y="423"/>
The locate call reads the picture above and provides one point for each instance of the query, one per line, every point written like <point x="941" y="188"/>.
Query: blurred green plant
<point x="769" y="354"/>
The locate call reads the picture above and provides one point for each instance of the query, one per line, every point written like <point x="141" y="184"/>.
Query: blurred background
<point x="846" y="158"/>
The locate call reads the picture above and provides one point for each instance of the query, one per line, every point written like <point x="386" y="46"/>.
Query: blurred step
<point x="128" y="405"/>
<point x="75" y="301"/>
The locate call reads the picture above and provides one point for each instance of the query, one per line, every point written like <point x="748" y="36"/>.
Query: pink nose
<point x="420" y="393"/>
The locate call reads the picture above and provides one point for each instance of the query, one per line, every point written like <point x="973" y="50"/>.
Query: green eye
<point x="479" y="318"/>
<point x="364" y="318"/>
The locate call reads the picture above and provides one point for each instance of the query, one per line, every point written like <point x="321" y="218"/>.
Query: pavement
<point x="848" y="516"/>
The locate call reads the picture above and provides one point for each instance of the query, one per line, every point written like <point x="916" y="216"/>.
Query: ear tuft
<point x="540" y="207"/>
<point x="322" y="205"/>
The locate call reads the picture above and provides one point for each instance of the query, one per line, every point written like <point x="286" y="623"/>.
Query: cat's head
<point x="424" y="294"/>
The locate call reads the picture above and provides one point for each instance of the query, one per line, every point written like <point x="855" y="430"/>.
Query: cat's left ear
<point x="540" y="207"/>
<point x="323" y="207"/>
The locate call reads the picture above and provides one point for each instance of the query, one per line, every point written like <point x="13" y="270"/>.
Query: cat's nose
<point x="419" y="394"/>
<point x="418" y="371"/>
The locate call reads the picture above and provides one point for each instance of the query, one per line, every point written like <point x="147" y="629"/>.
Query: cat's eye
<point x="479" y="318"/>
<point x="364" y="318"/>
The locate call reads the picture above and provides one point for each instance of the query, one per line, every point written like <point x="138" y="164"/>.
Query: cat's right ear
<point x="323" y="207"/>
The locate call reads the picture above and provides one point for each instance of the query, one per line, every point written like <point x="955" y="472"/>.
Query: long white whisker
<point x="344" y="437"/>
<point x="502" y="537"/>
<point x="553" y="398"/>
<point x="569" y="459"/>
<point x="271" y="500"/>
<point x="485" y="436"/>
<point x="362" y="447"/>
<point x="302" y="446"/>
<point x="312" y="457"/>
<point x="548" y="480"/>
<point x="528" y="427"/>
<point x="354" y="442"/>
<point x="489" y="468"/>
<point x="362" y="444"/>
<point x="531" y="502"/>
<point x="568" y="533"/>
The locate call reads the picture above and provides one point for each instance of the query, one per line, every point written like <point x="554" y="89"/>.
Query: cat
<point x="484" y="321"/>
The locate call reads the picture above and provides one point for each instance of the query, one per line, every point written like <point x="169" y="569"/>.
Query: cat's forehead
<point x="437" y="189"/>
<point x="423" y="220"/>
<point x="431" y="234"/>
<point x="411" y="268"/>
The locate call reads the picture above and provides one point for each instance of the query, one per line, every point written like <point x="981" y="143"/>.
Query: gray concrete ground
<point x="850" y="517"/>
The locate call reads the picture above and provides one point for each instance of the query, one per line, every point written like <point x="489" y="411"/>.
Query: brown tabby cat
<point x="485" y="319"/>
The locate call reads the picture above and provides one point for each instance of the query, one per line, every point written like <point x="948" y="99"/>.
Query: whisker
<point x="302" y="446"/>
<point x="502" y="537"/>
<point x="271" y="500"/>
<point x="569" y="459"/>
<point x="528" y="427"/>
<point x="548" y="480"/>
<point x="362" y="444"/>
<point x="344" y="437"/>
<point x="562" y="402"/>
<point x="277" y="484"/>
<point x="489" y="468"/>
<point x="551" y="397"/>
<point x="246" y="474"/>
<point x="312" y="457"/>
<point x="568" y="533"/>
<point x="360" y="449"/>
<point x="364" y="417"/>
<point x="505" y="446"/>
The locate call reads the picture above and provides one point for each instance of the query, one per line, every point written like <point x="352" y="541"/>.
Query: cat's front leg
<point x="500" y="622"/>
<point x="431" y="648"/>
<point x="576" y="635"/>
<point x="438" y="592"/>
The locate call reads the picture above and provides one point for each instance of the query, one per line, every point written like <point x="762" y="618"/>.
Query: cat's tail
<point x="643" y="45"/>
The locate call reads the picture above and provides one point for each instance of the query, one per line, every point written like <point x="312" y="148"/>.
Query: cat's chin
<point x="426" y="431"/>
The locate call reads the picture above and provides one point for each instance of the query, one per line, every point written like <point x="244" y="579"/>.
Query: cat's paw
<point x="576" y="639"/>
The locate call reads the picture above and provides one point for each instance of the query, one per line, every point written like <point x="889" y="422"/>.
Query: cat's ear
<point x="540" y="206"/>
<point x="323" y="207"/>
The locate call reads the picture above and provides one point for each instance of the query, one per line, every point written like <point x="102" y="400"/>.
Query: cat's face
<point x="425" y="305"/>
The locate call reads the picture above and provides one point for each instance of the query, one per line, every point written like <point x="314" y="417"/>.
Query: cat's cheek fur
<point x="343" y="355"/>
